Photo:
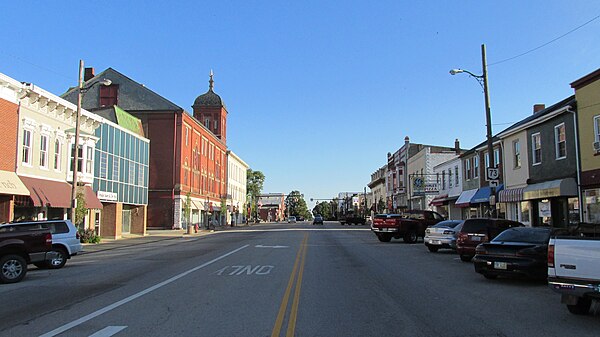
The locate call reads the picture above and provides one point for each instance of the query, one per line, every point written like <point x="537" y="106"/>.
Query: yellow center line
<point x="294" y="312"/>
<point x="288" y="290"/>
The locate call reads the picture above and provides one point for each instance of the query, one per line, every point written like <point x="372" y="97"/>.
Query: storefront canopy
<point x="511" y="195"/>
<point x="48" y="193"/>
<point x="483" y="194"/>
<point x="439" y="200"/>
<point x="11" y="184"/>
<point x="464" y="200"/>
<point x="555" y="188"/>
<point x="91" y="200"/>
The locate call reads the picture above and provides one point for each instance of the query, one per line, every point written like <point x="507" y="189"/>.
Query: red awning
<point x="48" y="193"/>
<point x="91" y="200"/>
<point x="439" y="200"/>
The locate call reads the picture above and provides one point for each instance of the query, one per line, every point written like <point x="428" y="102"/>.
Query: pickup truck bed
<point x="20" y="248"/>
<point x="574" y="271"/>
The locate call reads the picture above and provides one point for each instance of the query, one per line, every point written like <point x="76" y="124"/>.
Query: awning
<point x="48" y="193"/>
<point x="483" y="194"/>
<point x="555" y="188"/>
<point x="439" y="200"/>
<point x="91" y="200"/>
<point x="464" y="200"/>
<point x="511" y="195"/>
<point x="11" y="184"/>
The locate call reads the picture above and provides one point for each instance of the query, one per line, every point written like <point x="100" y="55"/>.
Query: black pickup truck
<point x="409" y="225"/>
<point x="20" y="248"/>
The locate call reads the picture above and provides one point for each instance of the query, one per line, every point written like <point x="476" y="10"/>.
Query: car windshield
<point x="523" y="234"/>
<point x="447" y="224"/>
<point x="475" y="226"/>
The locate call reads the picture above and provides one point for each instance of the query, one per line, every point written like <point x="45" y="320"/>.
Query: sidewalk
<point x="153" y="235"/>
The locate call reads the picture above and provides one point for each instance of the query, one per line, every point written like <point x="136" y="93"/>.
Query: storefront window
<point x="592" y="206"/>
<point x="525" y="213"/>
<point x="573" y="211"/>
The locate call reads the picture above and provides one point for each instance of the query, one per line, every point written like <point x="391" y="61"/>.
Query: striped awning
<point x="439" y="200"/>
<point x="511" y="195"/>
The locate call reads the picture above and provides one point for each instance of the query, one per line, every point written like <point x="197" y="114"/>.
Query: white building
<point x="236" y="188"/>
<point x="448" y="176"/>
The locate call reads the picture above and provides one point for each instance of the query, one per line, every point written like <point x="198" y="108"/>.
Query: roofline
<point x="585" y="80"/>
<point x="231" y="153"/>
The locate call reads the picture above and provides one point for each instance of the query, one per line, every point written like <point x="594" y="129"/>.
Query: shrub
<point x="89" y="236"/>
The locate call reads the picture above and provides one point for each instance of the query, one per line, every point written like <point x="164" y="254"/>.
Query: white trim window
<point x="497" y="157"/>
<point x="468" y="169"/>
<point x="456" y="176"/>
<point x="517" y="153"/>
<point x="597" y="128"/>
<point x="560" y="141"/>
<point x="536" y="148"/>
<point x="89" y="159"/>
<point x="450" y="178"/>
<point x="44" y="151"/>
<point x="57" y="155"/>
<point x="476" y="166"/>
<point x="207" y="123"/>
<point x="187" y="135"/>
<point x="27" y="136"/>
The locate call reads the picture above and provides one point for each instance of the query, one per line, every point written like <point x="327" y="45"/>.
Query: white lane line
<point x="108" y="331"/>
<point x="261" y="246"/>
<point x="108" y="308"/>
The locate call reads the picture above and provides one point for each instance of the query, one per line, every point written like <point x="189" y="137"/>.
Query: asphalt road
<point x="280" y="280"/>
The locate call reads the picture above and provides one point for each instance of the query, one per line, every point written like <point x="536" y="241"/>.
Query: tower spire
<point x="211" y="82"/>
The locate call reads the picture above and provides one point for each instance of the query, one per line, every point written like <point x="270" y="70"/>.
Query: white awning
<point x="11" y="184"/>
<point x="464" y="200"/>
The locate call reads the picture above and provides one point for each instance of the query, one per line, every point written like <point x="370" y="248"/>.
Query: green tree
<point x="187" y="208"/>
<point x="323" y="209"/>
<point x="296" y="205"/>
<point x="254" y="186"/>
<point x="81" y="209"/>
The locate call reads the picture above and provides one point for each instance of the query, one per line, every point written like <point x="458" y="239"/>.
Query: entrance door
<point x="126" y="226"/>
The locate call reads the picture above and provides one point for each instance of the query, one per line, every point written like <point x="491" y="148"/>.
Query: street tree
<point x="296" y="205"/>
<point x="254" y="186"/>
<point x="324" y="209"/>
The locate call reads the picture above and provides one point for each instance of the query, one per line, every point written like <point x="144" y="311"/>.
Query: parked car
<point x="480" y="230"/>
<point x="573" y="272"/>
<point x="318" y="220"/>
<point x="299" y="218"/>
<point x="18" y="248"/>
<point x="65" y="240"/>
<point x="291" y="219"/>
<point x="519" y="251"/>
<point x="410" y="225"/>
<point x="442" y="235"/>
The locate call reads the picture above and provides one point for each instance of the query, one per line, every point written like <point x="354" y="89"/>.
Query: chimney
<point x="89" y="74"/>
<point x="406" y="140"/>
<point x="457" y="146"/>
<point x="538" y="107"/>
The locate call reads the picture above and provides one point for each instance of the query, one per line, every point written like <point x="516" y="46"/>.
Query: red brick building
<point x="187" y="157"/>
<point x="10" y="184"/>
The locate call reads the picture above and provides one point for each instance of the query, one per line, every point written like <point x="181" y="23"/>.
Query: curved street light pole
<point x="483" y="81"/>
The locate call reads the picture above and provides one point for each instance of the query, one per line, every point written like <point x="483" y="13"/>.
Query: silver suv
<point x="65" y="239"/>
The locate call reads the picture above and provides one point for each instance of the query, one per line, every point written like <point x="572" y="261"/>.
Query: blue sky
<point x="318" y="92"/>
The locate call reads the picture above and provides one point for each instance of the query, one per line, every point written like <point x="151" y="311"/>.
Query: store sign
<point x="420" y="186"/>
<point x="545" y="210"/>
<point x="107" y="196"/>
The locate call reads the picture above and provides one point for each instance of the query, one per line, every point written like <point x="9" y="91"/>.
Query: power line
<point x="545" y="44"/>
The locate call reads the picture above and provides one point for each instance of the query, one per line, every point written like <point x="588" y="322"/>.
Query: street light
<point x="483" y="81"/>
<point x="80" y="91"/>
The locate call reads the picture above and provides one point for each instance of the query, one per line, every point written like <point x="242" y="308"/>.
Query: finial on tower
<point x="211" y="82"/>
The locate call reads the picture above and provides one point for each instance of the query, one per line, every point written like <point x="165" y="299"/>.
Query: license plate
<point x="435" y="242"/>
<point x="476" y="238"/>
<point x="500" y="265"/>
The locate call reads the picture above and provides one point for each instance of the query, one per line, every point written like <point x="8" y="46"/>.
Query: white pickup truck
<point x="574" y="270"/>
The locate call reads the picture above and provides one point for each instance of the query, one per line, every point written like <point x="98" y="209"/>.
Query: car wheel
<point x="410" y="237"/>
<point x="466" y="258"/>
<point x="490" y="276"/>
<point x="384" y="237"/>
<point x="582" y="307"/>
<point x="12" y="268"/>
<point x="60" y="260"/>
<point x="433" y="249"/>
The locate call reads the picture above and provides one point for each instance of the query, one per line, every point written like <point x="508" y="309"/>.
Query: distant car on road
<point x="299" y="218"/>
<point x="291" y="219"/>
<point x="442" y="235"/>
<point x="318" y="220"/>
<point x="519" y="251"/>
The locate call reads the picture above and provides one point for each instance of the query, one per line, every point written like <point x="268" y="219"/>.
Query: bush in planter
<point x="89" y="236"/>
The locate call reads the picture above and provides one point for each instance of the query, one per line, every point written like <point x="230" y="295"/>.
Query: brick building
<point x="187" y="180"/>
